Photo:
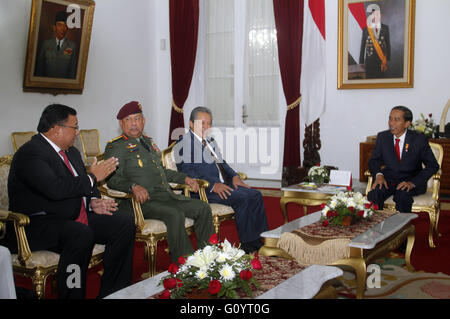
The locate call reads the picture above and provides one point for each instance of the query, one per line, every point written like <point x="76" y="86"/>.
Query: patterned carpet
<point x="397" y="282"/>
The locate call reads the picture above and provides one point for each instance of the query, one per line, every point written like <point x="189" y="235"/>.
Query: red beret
<point x="128" y="109"/>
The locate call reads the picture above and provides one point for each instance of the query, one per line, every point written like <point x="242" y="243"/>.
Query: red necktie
<point x="82" y="218"/>
<point x="397" y="148"/>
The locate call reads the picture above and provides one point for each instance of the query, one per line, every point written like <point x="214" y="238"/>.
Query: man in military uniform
<point x="141" y="172"/>
<point x="375" y="44"/>
<point x="58" y="56"/>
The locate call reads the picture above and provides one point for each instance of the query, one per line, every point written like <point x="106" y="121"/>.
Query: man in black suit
<point x="49" y="183"/>
<point x="402" y="152"/>
<point x="199" y="156"/>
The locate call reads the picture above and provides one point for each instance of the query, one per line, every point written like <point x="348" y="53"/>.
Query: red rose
<point x="349" y="188"/>
<point x="352" y="209"/>
<point x="173" y="268"/>
<point x="367" y="205"/>
<point x="164" y="295"/>
<point x="213" y="240"/>
<point x="170" y="283"/>
<point x="322" y="206"/>
<point x="181" y="260"/>
<point x="375" y="206"/>
<point x="330" y="214"/>
<point x="245" y="274"/>
<point x="256" y="264"/>
<point x="214" y="287"/>
<point x="325" y="223"/>
<point x="430" y="115"/>
<point x="360" y="213"/>
<point x="318" y="164"/>
<point x="179" y="282"/>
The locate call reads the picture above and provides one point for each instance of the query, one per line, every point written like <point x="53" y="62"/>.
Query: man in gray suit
<point x="58" y="56"/>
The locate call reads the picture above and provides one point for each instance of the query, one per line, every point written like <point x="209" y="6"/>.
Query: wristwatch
<point x="131" y="187"/>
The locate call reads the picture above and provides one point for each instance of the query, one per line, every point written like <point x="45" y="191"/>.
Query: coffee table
<point x="377" y="241"/>
<point x="312" y="197"/>
<point x="310" y="282"/>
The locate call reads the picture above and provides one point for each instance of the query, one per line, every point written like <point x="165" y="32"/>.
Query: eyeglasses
<point x="76" y="128"/>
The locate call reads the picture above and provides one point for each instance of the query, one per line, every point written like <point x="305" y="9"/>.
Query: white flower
<point x="227" y="272"/>
<point x="201" y="274"/>
<point x="202" y="258"/>
<point x="222" y="257"/>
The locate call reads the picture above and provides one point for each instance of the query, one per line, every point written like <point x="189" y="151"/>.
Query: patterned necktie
<point x="219" y="165"/>
<point x="397" y="148"/>
<point x="82" y="218"/>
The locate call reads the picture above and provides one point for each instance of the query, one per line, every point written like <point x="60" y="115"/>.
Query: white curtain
<point x="241" y="62"/>
<point x="261" y="70"/>
<point x="219" y="68"/>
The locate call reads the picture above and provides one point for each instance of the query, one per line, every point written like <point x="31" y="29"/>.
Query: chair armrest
<point x="436" y="185"/>
<point x="20" y="221"/>
<point x="369" y="181"/>
<point x="242" y="176"/>
<point x="137" y="209"/>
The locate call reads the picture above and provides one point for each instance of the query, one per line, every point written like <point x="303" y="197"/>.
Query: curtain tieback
<point x="176" y="108"/>
<point x="295" y="104"/>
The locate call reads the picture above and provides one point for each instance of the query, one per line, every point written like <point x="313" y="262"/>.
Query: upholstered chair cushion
<point x="421" y="200"/>
<point x="219" y="209"/>
<point x="156" y="226"/>
<point x="45" y="258"/>
<point x="4" y="201"/>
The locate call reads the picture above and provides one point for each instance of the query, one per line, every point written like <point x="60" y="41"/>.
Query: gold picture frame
<point x="379" y="56"/>
<point x="53" y="66"/>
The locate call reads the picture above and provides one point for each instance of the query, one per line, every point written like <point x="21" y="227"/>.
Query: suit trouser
<point x="250" y="214"/>
<point x="173" y="213"/>
<point x="74" y="242"/>
<point x="402" y="198"/>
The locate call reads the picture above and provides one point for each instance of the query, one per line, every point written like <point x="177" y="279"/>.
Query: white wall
<point x="127" y="63"/>
<point x="352" y="115"/>
<point x="121" y="67"/>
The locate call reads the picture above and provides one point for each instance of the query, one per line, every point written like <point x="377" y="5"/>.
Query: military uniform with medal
<point x="140" y="167"/>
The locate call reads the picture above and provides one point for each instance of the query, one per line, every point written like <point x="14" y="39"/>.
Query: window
<point x="242" y="78"/>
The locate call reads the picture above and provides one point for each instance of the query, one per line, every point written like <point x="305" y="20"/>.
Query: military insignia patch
<point x="155" y="147"/>
<point x="132" y="147"/>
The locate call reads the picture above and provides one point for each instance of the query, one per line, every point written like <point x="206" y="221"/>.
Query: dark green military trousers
<point x="173" y="213"/>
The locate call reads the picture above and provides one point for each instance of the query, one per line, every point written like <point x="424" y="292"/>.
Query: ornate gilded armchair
<point x="148" y="231"/>
<point x="428" y="202"/>
<point x="37" y="265"/>
<point x="220" y="212"/>
<point x="20" y="138"/>
<point x="90" y="140"/>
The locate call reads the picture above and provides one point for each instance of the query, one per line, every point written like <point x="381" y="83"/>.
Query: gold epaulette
<point x="118" y="138"/>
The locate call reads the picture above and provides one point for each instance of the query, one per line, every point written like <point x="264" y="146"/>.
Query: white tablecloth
<point x="7" y="289"/>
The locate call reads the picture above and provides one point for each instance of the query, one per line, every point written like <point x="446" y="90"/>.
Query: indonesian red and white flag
<point x="356" y="24"/>
<point x="313" y="77"/>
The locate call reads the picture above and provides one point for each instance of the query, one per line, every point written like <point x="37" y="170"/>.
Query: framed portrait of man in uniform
<point x="376" y="44"/>
<point x="58" y="46"/>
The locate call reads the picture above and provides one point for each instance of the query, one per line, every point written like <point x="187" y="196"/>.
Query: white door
<point x="237" y="76"/>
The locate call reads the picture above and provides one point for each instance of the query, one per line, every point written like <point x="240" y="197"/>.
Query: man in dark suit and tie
<point x="49" y="183"/>
<point x="403" y="153"/>
<point x="199" y="156"/>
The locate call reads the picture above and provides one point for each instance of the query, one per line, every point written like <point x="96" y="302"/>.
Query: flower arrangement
<point x="425" y="125"/>
<point x="344" y="208"/>
<point x="319" y="174"/>
<point x="219" y="268"/>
